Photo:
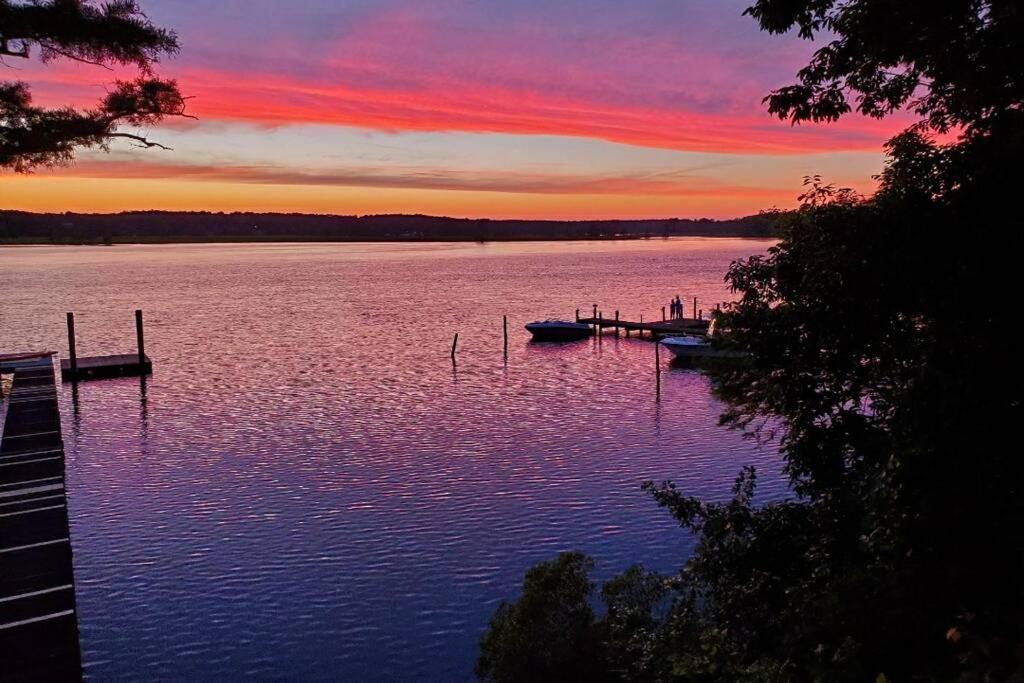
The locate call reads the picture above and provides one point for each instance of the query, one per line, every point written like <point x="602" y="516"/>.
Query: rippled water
<point x="306" y="488"/>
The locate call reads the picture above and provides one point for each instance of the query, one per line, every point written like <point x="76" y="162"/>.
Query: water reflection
<point x="312" y="467"/>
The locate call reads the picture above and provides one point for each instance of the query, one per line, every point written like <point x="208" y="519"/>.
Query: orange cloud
<point x="415" y="178"/>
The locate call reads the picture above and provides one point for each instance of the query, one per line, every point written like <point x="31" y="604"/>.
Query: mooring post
<point x="657" y="365"/>
<point x="640" y="330"/>
<point x="140" y="338"/>
<point x="577" y="315"/>
<point x="455" y="342"/>
<point x="504" y="331"/>
<point x="595" y="311"/>
<point x="71" y="346"/>
<point x="662" y="314"/>
<point x="616" y="323"/>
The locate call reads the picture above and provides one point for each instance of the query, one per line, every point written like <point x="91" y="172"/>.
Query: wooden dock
<point x="99" y="367"/>
<point x="38" y="617"/>
<point x="74" y="368"/>
<point x="660" y="328"/>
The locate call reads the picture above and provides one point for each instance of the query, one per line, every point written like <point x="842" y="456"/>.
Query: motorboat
<point x="687" y="346"/>
<point x="558" y="330"/>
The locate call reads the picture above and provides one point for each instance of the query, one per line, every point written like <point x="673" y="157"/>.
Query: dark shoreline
<point x="164" y="227"/>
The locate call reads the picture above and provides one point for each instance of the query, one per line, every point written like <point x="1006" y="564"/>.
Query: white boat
<point x="558" y="330"/>
<point x="688" y="346"/>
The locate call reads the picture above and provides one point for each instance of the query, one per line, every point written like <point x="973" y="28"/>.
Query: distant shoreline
<point x="128" y="241"/>
<point x="167" y="227"/>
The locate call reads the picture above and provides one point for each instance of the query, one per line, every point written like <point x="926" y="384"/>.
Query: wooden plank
<point x="38" y="616"/>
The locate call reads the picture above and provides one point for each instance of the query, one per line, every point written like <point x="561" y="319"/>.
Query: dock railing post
<point x="71" y="346"/>
<point x="504" y="331"/>
<point x="140" y="338"/>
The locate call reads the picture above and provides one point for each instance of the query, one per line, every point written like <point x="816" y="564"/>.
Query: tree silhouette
<point x="114" y="33"/>
<point x="882" y="354"/>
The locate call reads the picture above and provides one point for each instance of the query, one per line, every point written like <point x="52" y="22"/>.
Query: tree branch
<point x="142" y="141"/>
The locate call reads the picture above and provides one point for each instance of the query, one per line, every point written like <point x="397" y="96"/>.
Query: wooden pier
<point x="98" y="367"/>
<point x="662" y="327"/>
<point x="38" y="617"/>
<point x="74" y="368"/>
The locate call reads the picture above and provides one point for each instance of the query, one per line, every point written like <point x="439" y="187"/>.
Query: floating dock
<point x="98" y="367"/>
<point x="38" y="617"/>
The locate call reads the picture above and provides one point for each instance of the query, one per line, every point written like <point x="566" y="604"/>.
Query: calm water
<point x="306" y="488"/>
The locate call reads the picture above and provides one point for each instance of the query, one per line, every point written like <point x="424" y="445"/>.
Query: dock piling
<point x="616" y="323"/>
<point x="504" y="332"/>
<point x="73" y="355"/>
<point x="577" y="315"/>
<point x="663" y="314"/>
<point x="694" y="308"/>
<point x="455" y="343"/>
<point x="657" y="366"/>
<point x="140" y="337"/>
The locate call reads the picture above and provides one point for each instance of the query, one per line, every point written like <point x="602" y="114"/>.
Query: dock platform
<point x="98" y="367"/>
<point x="38" y="616"/>
<point x="661" y="327"/>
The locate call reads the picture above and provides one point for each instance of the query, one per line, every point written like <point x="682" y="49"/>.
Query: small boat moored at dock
<point x="558" y="330"/>
<point x="688" y="346"/>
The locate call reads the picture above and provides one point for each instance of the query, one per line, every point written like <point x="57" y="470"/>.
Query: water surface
<point x="308" y="489"/>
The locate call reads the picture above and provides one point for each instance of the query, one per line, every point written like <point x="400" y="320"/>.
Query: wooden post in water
<point x="577" y="315"/>
<point x="694" y="308"/>
<point x="504" y="331"/>
<point x="657" y="366"/>
<point x="662" y="314"/>
<point x="71" y="347"/>
<point x="600" y="325"/>
<point x="140" y="338"/>
<point x="595" y="311"/>
<point x="455" y="343"/>
<point x="640" y="331"/>
<point x="616" y="323"/>
<point x="700" y="314"/>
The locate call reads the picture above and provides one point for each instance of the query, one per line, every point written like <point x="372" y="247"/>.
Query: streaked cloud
<point x="412" y="178"/>
<point x="479" y="97"/>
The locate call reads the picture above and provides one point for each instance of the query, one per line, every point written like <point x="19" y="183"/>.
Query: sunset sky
<point x="510" y="108"/>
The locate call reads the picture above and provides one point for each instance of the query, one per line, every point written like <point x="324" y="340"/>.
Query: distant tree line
<point x="159" y="226"/>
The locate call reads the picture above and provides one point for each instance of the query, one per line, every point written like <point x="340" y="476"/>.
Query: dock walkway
<point x="661" y="327"/>
<point x="38" y="617"/>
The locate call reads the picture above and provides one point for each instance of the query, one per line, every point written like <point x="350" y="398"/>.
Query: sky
<point x="483" y="108"/>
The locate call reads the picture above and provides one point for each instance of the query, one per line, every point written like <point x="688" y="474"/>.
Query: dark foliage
<point x="884" y="357"/>
<point x="957" y="63"/>
<point x="115" y="32"/>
